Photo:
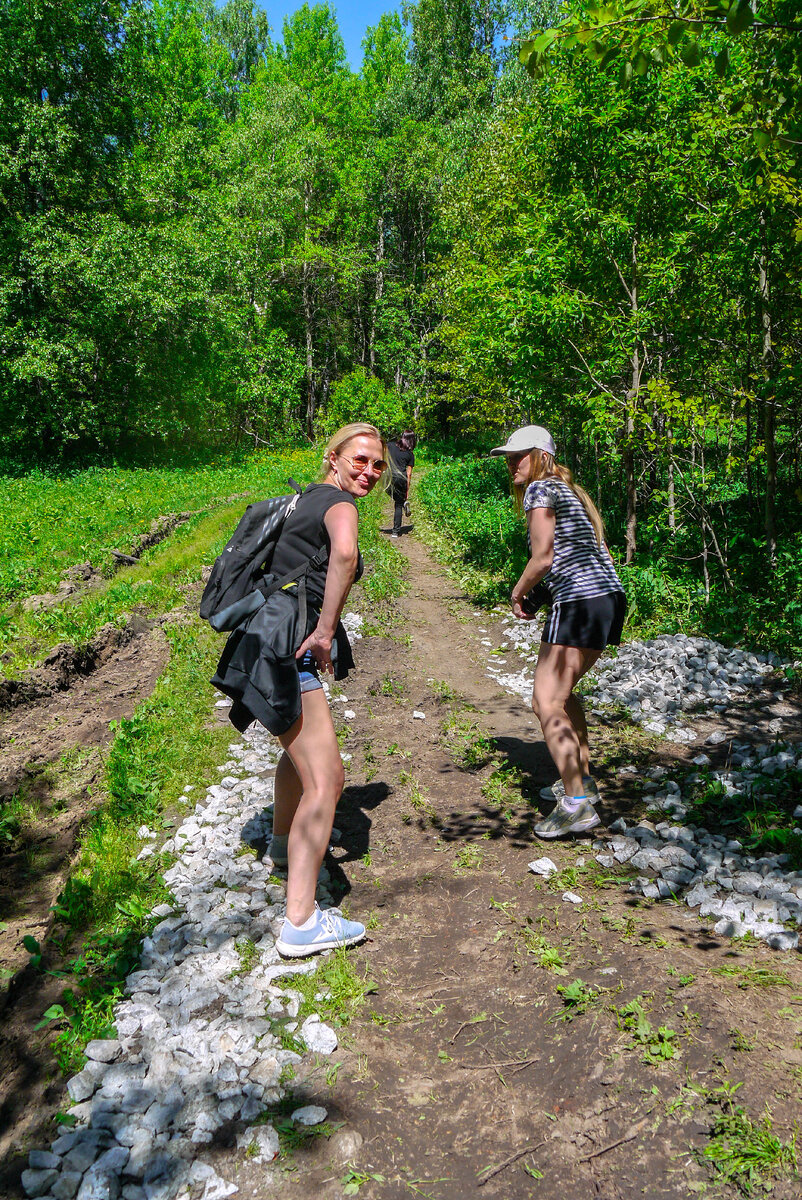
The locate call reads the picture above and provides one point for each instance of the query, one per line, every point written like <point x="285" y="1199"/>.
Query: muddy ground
<point x="466" y="1072"/>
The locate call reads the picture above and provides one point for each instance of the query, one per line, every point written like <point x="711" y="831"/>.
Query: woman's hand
<point x="319" y="646"/>
<point x="516" y="601"/>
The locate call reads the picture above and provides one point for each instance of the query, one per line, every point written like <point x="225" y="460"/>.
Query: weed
<point x="740" y="1041"/>
<point x="548" y="956"/>
<point x="658" y="1044"/>
<point x="467" y="743"/>
<point x="750" y="975"/>
<point x="353" y="1180"/>
<point x="248" y="957"/>
<point x="469" y="858"/>
<point x="332" y="1072"/>
<point x="746" y="1153"/>
<point x="577" y="997"/>
<point x="418" y="798"/>
<point x="682" y="980"/>
<point x="392" y="687"/>
<point x="503" y="788"/>
<point x="291" y="1135"/>
<point x="336" y="990"/>
<point x="442" y="690"/>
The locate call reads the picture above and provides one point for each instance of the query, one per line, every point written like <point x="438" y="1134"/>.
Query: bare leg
<point x="576" y="715"/>
<point x="560" y="713"/>
<point x="286" y="795"/>
<point x="311" y="745"/>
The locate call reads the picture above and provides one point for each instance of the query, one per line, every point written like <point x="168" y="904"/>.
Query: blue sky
<point x="352" y="17"/>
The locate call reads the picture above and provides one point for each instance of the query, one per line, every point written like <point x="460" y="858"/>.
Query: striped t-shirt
<point x="581" y="567"/>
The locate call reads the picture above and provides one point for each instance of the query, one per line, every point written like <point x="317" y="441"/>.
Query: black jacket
<point x="258" y="669"/>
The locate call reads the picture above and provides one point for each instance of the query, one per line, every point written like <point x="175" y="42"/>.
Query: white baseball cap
<point x="530" y="437"/>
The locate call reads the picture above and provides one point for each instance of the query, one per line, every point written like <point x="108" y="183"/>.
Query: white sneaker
<point x="329" y="931"/>
<point x="560" y="822"/>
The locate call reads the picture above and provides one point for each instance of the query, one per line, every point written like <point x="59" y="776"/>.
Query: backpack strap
<point x="298" y="576"/>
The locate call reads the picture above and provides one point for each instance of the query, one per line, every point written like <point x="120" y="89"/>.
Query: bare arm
<point x="342" y="524"/>
<point x="541" y="523"/>
<point x="409" y="477"/>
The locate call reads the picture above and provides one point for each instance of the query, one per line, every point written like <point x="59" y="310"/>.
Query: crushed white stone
<point x="542" y="866"/>
<point x="659" y="682"/>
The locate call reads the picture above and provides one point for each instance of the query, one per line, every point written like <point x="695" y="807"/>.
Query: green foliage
<point x="747" y="1153"/>
<point x="577" y="997"/>
<point x="659" y="1044"/>
<point x="362" y="397"/>
<point x="760" y="815"/>
<point x="467" y="501"/>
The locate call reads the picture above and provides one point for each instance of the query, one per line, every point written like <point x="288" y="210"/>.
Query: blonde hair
<point x="340" y="439"/>
<point x="543" y="465"/>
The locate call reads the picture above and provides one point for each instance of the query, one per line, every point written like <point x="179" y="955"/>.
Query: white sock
<point x="572" y="804"/>
<point x="309" y="923"/>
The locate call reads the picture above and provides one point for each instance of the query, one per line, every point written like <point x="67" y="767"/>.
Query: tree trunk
<point x="632" y="401"/>
<point x="769" y="416"/>
<point x="379" y="288"/>
<point x="306" y="290"/>
<point x="672" y="492"/>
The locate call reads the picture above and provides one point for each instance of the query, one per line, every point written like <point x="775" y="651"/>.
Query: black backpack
<point x="240" y="581"/>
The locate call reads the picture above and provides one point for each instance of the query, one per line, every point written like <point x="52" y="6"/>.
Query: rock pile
<point x="200" y="1037"/>
<point x="744" y="892"/>
<point x="660" y="679"/>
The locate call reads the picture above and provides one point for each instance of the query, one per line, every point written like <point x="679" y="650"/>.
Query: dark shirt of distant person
<point x="402" y="460"/>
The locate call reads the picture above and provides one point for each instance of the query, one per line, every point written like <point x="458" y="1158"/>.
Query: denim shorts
<point x="307" y="671"/>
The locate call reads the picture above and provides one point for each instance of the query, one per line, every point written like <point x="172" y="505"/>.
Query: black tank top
<point x="305" y="532"/>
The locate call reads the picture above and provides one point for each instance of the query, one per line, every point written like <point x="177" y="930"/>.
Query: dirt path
<point x="467" y="1074"/>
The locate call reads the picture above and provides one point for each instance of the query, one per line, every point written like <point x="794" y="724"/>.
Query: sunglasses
<point x="361" y="462"/>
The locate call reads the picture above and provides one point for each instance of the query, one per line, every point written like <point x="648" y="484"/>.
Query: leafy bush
<point x="469" y="504"/>
<point x="363" y="397"/>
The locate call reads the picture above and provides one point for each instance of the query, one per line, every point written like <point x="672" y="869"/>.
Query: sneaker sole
<point x="288" y="950"/>
<point x="577" y="827"/>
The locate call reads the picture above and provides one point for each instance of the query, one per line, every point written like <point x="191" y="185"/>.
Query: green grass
<point x="747" y="1153"/>
<point x="103" y="911"/>
<point x="54" y="520"/>
<point x="109" y="507"/>
<point x="751" y="975"/>
<point x="466" y="741"/>
<point x="336" y="990"/>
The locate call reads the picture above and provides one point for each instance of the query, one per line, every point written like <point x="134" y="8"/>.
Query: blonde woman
<point x="271" y="668"/>
<point x="568" y="555"/>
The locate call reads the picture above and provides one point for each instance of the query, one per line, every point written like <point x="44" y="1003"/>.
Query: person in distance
<point x="587" y="608"/>
<point x="402" y="460"/>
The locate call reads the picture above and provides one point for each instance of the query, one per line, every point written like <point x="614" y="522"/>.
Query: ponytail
<point x="544" y="466"/>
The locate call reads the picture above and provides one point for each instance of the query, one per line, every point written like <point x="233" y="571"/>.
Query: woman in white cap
<point x="567" y="555"/>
